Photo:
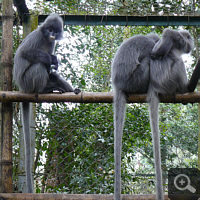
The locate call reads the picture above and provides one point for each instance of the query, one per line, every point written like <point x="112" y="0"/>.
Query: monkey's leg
<point x="34" y="79"/>
<point x="56" y="82"/>
<point x="154" y="109"/>
<point x="119" y="115"/>
<point x="27" y="140"/>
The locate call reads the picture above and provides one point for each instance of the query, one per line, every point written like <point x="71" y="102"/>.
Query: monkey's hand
<point x="54" y="61"/>
<point x="155" y="56"/>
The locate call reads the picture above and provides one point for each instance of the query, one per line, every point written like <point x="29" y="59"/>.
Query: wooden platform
<point x="92" y="97"/>
<point x="19" y="196"/>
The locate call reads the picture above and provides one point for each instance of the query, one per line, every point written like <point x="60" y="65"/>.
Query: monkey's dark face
<point x="52" y="28"/>
<point x="52" y="33"/>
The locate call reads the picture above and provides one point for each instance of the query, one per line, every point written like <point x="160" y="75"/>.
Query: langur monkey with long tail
<point x="33" y="74"/>
<point x="148" y="64"/>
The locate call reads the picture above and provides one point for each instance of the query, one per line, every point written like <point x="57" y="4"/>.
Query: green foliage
<point x="117" y="7"/>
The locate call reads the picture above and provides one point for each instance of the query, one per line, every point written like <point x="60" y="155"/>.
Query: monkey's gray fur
<point x="148" y="64"/>
<point x="32" y="73"/>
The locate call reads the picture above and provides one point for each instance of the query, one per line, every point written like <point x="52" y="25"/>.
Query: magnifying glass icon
<point x="181" y="180"/>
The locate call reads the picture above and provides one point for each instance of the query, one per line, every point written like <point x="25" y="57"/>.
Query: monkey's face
<point x="189" y="43"/>
<point x="53" y="27"/>
<point x="53" y="34"/>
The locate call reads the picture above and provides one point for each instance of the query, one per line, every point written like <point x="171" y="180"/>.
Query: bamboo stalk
<point x="6" y="107"/>
<point x="92" y="97"/>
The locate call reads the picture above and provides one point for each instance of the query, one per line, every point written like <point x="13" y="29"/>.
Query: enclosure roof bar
<point x="91" y="97"/>
<point x="153" y="20"/>
<point x="129" y="20"/>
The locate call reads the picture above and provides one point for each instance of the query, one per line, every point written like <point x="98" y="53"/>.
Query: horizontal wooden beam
<point x="91" y="97"/>
<point x="18" y="196"/>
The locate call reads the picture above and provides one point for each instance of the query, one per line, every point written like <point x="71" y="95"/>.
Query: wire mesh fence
<point x="74" y="142"/>
<point x="74" y="147"/>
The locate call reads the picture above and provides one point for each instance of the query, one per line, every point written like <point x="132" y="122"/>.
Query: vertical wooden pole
<point x="28" y="27"/>
<point x="196" y="37"/>
<point x="196" y="43"/>
<point x="6" y="85"/>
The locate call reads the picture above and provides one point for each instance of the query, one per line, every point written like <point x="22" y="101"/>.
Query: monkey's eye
<point x="188" y="36"/>
<point x="50" y="30"/>
<point x="57" y="32"/>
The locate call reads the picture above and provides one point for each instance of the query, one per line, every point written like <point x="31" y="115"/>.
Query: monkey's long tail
<point x="154" y="110"/>
<point x="26" y="130"/>
<point x="119" y="115"/>
<point x="194" y="78"/>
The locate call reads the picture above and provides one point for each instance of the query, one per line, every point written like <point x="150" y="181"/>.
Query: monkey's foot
<point x="77" y="91"/>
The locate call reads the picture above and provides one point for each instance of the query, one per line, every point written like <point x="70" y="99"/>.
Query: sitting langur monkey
<point x="32" y="72"/>
<point x="148" y="64"/>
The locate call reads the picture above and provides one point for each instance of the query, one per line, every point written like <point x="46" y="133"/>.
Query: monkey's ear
<point x="162" y="47"/>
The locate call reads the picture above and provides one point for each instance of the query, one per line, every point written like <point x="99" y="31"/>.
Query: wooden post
<point x="6" y="110"/>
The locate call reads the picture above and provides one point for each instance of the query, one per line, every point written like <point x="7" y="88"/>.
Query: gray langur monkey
<point x="32" y="73"/>
<point x="148" y="64"/>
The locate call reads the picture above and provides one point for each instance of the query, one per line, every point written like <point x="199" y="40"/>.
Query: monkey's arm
<point x="164" y="45"/>
<point x="54" y="61"/>
<point x="170" y="39"/>
<point x="161" y="48"/>
<point x="38" y="55"/>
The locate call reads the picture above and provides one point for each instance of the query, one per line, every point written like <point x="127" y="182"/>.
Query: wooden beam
<point x="92" y="97"/>
<point x="20" y="196"/>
